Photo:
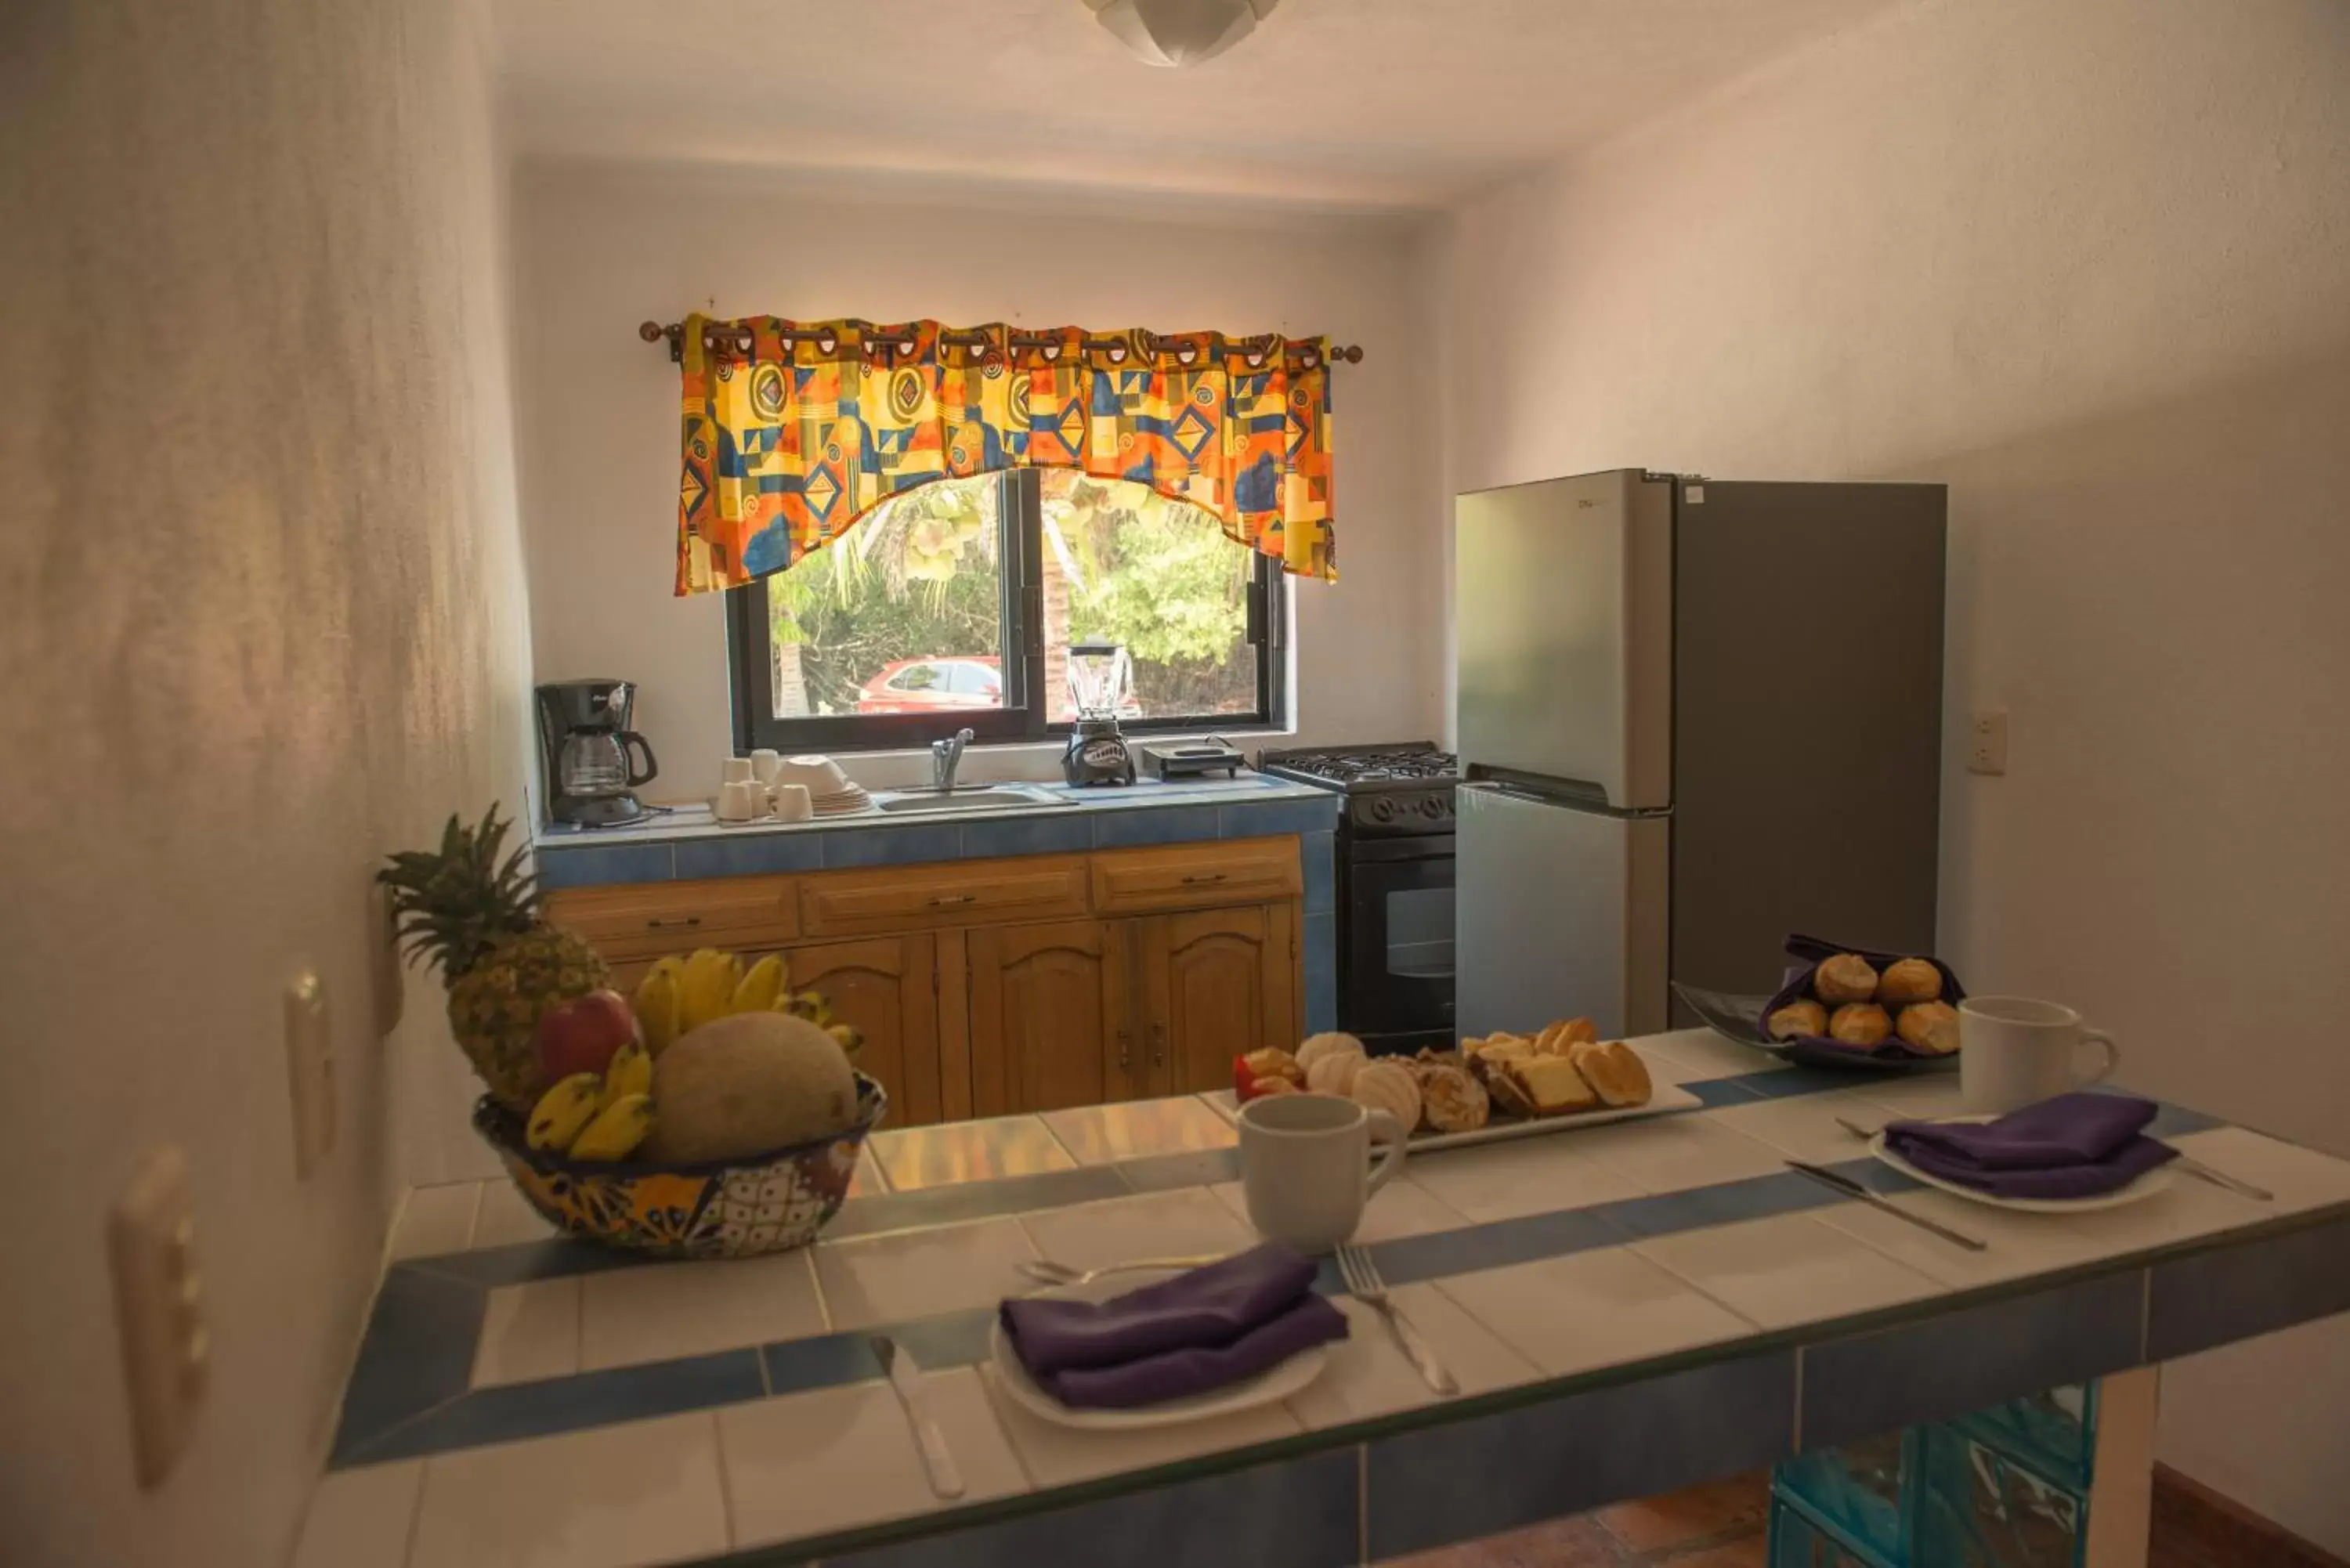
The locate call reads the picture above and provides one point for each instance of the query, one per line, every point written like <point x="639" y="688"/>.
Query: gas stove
<point x="1392" y="791"/>
<point x="1394" y="865"/>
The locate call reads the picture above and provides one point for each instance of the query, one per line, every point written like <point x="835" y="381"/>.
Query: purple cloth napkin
<point x="2074" y="1145"/>
<point x="1197" y="1331"/>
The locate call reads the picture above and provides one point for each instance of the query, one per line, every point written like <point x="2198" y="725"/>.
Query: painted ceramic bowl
<point x="727" y="1208"/>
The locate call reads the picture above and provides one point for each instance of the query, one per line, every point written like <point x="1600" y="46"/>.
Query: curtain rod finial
<point x="651" y="331"/>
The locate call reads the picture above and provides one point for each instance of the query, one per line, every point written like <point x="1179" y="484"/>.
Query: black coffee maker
<point x="587" y="752"/>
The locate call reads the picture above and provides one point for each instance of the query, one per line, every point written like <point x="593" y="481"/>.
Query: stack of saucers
<point x="831" y="792"/>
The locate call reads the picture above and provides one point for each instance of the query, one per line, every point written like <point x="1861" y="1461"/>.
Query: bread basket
<point x="1821" y="1050"/>
<point x="766" y="1202"/>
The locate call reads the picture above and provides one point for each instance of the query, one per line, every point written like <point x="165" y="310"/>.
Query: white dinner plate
<point x="2159" y="1179"/>
<point x="1277" y="1382"/>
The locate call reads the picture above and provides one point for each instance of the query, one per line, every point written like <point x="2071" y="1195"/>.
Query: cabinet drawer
<point x="651" y="918"/>
<point x="1196" y="875"/>
<point x="853" y="903"/>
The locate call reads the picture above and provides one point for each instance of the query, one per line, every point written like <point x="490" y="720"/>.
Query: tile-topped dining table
<point x="1627" y="1309"/>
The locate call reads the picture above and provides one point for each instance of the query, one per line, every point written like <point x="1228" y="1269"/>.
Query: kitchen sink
<point x="974" y="797"/>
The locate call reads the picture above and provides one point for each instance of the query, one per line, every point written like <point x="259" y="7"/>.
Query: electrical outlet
<point x="159" y="1306"/>
<point x="310" y="1071"/>
<point x="1987" y="742"/>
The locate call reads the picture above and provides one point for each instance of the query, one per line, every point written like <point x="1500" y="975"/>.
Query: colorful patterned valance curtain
<point x="789" y="444"/>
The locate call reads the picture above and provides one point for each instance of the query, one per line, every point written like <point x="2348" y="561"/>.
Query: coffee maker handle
<point x="630" y="739"/>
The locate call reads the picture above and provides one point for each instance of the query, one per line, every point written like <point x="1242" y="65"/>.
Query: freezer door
<point x="1559" y="912"/>
<point x="1563" y="611"/>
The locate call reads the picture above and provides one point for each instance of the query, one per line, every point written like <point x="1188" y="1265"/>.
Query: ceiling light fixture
<point x="1180" y="32"/>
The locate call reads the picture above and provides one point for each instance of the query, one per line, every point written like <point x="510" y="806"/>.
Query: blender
<point x="1100" y="684"/>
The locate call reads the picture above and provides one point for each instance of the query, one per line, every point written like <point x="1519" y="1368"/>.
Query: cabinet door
<point x="1220" y="983"/>
<point x="1047" y="1010"/>
<point x="886" y="987"/>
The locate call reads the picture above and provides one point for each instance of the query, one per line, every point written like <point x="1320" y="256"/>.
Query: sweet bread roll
<point x="1614" y="1072"/>
<point x="1859" y="1023"/>
<point x="1563" y="1035"/>
<point x="1388" y="1086"/>
<point x="1910" y="980"/>
<point x="1335" y="1072"/>
<point x="1332" y="1043"/>
<point x="1802" y="1017"/>
<point x="1846" y="977"/>
<point x="1930" y="1026"/>
<point x="1273" y="1062"/>
<point x="1554" y="1086"/>
<point x="1451" y="1101"/>
<point x="1273" y="1086"/>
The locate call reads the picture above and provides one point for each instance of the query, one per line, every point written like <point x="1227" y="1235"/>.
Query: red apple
<point x="584" y="1034"/>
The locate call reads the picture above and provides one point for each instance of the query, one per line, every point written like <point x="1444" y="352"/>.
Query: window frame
<point x="750" y="660"/>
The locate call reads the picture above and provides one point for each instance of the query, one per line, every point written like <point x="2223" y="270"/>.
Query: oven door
<point x="1395" y="964"/>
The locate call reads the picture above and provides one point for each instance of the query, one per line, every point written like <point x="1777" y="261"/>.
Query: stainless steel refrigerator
<point x="1695" y="716"/>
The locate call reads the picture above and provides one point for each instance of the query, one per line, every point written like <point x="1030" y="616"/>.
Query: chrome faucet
<point x="945" y="757"/>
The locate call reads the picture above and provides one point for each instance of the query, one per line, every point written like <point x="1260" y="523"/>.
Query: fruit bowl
<point x="767" y="1202"/>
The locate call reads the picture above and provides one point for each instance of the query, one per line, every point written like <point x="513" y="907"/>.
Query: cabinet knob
<point x="683" y="922"/>
<point x="1207" y="877"/>
<point x="1125" y="1050"/>
<point x="947" y="900"/>
<point x="1158" y="1044"/>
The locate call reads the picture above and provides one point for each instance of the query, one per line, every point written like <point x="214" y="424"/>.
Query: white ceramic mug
<point x="792" y="802"/>
<point x="764" y="763"/>
<point x="1306" y="1166"/>
<point x="2015" y="1051"/>
<point x="736" y="770"/>
<point x="740" y="800"/>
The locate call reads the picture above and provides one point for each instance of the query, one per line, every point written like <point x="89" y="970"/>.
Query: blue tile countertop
<point x="688" y="843"/>
<point x="1628" y="1309"/>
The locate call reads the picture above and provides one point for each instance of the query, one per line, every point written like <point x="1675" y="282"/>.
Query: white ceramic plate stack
<point x="831" y="792"/>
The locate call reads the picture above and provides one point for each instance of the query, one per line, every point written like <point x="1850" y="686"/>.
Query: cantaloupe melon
<point x="746" y="1083"/>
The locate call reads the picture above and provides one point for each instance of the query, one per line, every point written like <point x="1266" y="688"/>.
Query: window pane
<point x="1123" y="564"/>
<point x="874" y="622"/>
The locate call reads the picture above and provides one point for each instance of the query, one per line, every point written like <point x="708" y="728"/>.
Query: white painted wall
<point x="2089" y="264"/>
<point x="600" y="249"/>
<point x="261" y="621"/>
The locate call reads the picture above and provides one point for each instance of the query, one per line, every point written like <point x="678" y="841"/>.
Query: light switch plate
<point x="159" y="1306"/>
<point x="310" y="1071"/>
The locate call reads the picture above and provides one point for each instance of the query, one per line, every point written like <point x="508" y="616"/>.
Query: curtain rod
<point x="654" y="332"/>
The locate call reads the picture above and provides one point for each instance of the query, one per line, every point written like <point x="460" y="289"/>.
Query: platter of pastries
<point x="1495" y="1086"/>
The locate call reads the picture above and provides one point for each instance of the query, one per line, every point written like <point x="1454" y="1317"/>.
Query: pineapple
<point x="476" y="919"/>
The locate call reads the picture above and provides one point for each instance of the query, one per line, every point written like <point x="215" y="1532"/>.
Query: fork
<point x="1362" y="1277"/>
<point x="2186" y="1162"/>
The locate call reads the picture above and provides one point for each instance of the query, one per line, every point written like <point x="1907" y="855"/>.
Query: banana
<point x="616" y="1131"/>
<point x="631" y="1071"/>
<point x="809" y="1004"/>
<point x="563" y="1111"/>
<point x="760" y="988"/>
<point x="849" y="1037"/>
<point x="659" y="1004"/>
<point x="711" y="977"/>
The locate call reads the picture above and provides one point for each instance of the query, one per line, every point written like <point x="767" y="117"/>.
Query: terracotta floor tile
<point x="1698" y="1513"/>
<point x="1576" y="1542"/>
<point x="1746" y="1554"/>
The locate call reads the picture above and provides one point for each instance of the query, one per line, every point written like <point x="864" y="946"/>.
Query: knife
<point x="907" y="1383"/>
<point x="1852" y="1189"/>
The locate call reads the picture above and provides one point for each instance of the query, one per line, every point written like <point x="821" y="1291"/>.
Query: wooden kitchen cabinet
<point x="1050" y="1016"/>
<point x="991" y="987"/>
<point x="1216" y="983"/>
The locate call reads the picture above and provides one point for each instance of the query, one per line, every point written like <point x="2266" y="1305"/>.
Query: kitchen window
<point x="953" y="605"/>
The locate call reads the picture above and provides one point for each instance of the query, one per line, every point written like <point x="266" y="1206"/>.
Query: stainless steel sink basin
<point x="972" y="797"/>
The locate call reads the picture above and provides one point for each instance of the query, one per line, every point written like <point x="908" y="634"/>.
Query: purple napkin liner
<point x="1825" y="1050"/>
<point x="1178" y="1374"/>
<point x="2073" y="1146"/>
<point x="1197" y="1331"/>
